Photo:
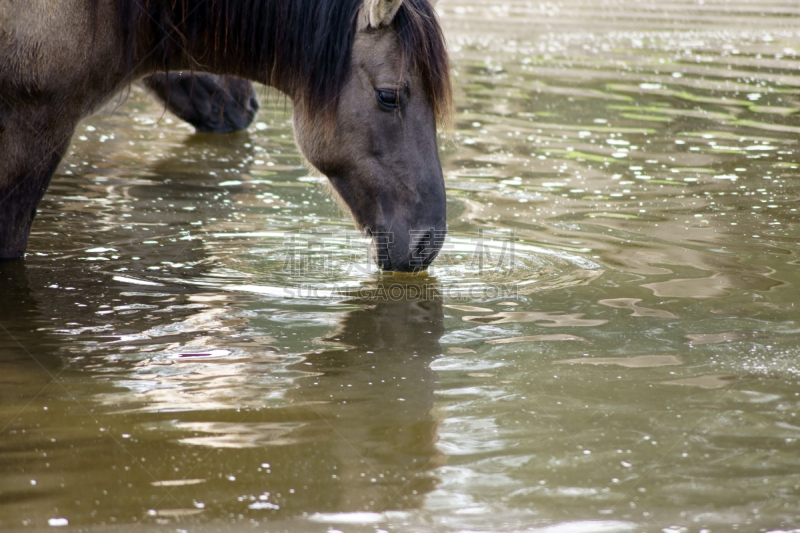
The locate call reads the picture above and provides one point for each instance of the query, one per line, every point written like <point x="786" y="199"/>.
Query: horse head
<point x="379" y="146"/>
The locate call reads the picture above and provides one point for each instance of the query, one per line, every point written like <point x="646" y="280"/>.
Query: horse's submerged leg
<point x="214" y="104"/>
<point x="32" y="142"/>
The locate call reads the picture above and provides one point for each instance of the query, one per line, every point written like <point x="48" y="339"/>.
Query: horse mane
<point x="303" y="45"/>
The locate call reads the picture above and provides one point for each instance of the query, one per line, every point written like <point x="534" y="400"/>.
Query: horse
<point x="369" y="81"/>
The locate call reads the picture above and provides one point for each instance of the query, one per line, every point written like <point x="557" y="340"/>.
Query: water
<point x="197" y="341"/>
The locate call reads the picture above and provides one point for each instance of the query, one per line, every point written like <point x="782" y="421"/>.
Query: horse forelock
<point x="302" y="47"/>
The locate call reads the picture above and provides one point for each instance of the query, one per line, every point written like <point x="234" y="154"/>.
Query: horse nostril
<point x="424" y="248"/>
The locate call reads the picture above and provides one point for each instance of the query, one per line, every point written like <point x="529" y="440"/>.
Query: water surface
<point x="197" y="340"/>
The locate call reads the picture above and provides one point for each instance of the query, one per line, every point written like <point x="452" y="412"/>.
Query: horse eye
<point x="388" y="98"/>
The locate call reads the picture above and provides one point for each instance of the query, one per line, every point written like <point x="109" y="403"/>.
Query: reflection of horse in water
<point x="369" y="80"/>
<point x="374" y="396"/>
<point x="347" y="428"/>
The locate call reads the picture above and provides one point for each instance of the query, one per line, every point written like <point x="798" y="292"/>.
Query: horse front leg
<point x="32" y="142"/>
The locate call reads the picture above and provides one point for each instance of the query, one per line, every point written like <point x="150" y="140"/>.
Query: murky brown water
<point x="197" y="342"/>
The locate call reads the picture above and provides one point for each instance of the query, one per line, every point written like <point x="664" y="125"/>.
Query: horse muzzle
<point x="411" y="249"/>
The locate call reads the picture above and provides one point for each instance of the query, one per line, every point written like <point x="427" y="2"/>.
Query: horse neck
<point x="251" y="46"/>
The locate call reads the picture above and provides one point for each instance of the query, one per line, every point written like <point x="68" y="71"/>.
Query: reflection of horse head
<point x="400" y="328"/>
<point x="374" y="394"/>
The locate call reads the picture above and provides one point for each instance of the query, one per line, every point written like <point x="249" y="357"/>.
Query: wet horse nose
<point x="424" y="246"/>
<point x="411" y="252"/>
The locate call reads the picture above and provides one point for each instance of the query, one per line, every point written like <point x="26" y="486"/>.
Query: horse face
<point x="381" y="155"/>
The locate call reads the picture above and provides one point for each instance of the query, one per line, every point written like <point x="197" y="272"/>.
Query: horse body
<point x="368" y="79"/>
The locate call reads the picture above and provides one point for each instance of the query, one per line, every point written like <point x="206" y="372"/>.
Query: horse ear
<point x="381" y="12"/>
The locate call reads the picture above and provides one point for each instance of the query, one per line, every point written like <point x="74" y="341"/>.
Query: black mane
<point x="304" y="45"/>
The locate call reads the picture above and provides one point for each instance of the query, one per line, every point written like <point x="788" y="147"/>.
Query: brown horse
<point x="369" y="80"/>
